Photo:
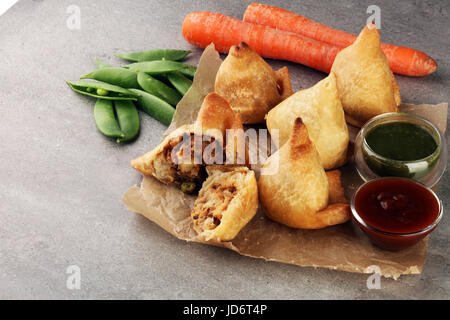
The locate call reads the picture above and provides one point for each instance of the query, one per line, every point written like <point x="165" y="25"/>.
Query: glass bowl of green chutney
<point x="401" y="145"/>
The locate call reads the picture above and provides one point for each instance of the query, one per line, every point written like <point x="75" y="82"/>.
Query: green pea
<point x="158" y="88"/>
<point x="151" y="55"/>
<point x="114" y="75"/>
<point x="188" y="187"/>
<point x="155" y="67"/>
<point x="180" y="82"/>
<point x="102" y="92"/>
<point x="188" y="71"/>
<point x="114" y="91"/>
<point x="106" y="120"/>
<point x="154" y="106"/>
<point x="128" y="118"/>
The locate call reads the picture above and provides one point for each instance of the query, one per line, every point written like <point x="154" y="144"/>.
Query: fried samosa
<point x="321" y="111"/>
<point x="300" y="194"/>
<point x="250" y="85"/>
<point x="176" y="160"/>
<point x="227" y="201"/>
<point x="366" y="85"/>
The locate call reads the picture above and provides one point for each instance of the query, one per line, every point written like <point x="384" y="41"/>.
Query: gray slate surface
<point x="62" y="181"/>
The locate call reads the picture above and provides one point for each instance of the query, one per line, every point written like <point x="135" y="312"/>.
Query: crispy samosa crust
<point x="365" y="83"/>
<point x="321" y="111"/>
<point x="250" y="85"/>
<point x="300" y="194"/>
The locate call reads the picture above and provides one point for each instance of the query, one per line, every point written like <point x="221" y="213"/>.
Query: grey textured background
<point x="62" y="181"/>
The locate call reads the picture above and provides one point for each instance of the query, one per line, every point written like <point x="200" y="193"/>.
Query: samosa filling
<point x="187" y="171"/>
<point x="212" y="202"/>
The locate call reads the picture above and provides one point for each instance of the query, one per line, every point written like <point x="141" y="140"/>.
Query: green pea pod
<point x="180" y="82"/>
<point x="101" y="64"/>
<point x="128" y="118"/>
<point x="151" y="55"/>
<point x="154" y="106"/>
<point x="106" y="120"/>
<point x="155" y="67"/>
<point x="114" y="75"/>
<point x="158" y="88"/>
<point x="102" y="90"/>
<point x="188" y="71"/>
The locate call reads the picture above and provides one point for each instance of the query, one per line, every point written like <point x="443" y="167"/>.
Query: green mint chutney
<point x="402" y="141"/>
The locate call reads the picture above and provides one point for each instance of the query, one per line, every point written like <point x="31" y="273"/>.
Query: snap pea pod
<point x="128" y="119"/>
<point x="106" y="120"/>
<point x="155" y="67"/>
<point x="102" y="90"/>
<point x="114" y="75"/>
<point x="158" y="88"/>
<point x="154" y="106"/>
<point x="150" y="55"/>
<point x="188" y="71"/>
<point x="163" y="79"/>
<point x="180" y="82"/>
<point x="101" y="64"/>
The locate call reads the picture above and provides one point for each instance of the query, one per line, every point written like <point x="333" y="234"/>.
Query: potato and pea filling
<point x="173" y="165"/>
<point x="226" y="202"/>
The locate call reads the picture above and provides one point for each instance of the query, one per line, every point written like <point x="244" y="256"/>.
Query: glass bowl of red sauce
<point x="396" y="213"/>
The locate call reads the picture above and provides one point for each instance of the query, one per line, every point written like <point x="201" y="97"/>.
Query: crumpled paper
<point x="342" y="247"/>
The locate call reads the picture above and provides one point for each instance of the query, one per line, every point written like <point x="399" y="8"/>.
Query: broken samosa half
<point x="321" y="111"/>
<point x="366" y="85"/>
<point x="181" y="157"/>
<point x="250" y="84"/>
<point x="300" y="194"/>
<point x="227" y="201"/>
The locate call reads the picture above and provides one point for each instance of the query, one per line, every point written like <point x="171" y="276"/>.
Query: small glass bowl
<point x="371" y="165"/>
<point x="394" y="241"/>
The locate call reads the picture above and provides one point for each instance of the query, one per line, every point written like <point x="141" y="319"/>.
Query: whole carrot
<point x="203" y="28"/>
<point x="402" y="60"/>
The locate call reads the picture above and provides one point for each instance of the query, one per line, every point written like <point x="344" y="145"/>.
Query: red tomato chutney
<point x="396" y="212"/>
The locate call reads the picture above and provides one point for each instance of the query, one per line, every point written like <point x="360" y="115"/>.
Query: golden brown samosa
<point x="321" y="111"/>
<point x="170" y="163"/>
<point x="300" y="194"/>
<point x="365" y="83"/>
<point x="250" y="85"/>
<point x="227" y="201"/>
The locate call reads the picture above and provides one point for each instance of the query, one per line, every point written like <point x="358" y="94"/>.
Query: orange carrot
<point x="203" y="28"/>
<point x="402" y="60"/>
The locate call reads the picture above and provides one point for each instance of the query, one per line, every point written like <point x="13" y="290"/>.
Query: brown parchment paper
<point x="343" y="247"/>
